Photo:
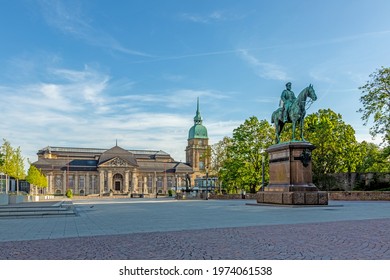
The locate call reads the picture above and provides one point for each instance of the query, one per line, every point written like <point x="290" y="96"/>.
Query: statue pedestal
<point x="290" y="171"/>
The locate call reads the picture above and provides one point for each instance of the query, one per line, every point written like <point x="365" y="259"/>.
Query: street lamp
<point x="176" y="187"/>
<point x="207" y="183"/>
<point x="262" y="172"/>
<point x="155" y="182"/>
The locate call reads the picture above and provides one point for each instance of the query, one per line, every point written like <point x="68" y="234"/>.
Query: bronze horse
<point x="296" y="113"/>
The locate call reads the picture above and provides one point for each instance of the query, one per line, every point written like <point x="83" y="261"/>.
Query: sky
<point x="89" y="73"/>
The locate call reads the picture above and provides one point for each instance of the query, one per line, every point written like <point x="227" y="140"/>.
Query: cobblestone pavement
<point x="351" y="240"/>
<point x="341" y="234"/>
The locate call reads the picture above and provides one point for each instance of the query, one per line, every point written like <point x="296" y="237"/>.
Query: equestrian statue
<point x="292" y="110"/>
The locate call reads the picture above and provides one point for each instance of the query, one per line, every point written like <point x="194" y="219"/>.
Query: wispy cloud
<point x="173" y="98"/>
<point x="173" y="77"/>
<point x="72" y="107"/>
<point x="68" y="17"/>
<point x="214" y="16"/>
<point x="263" y="69"/>
<point x="211" y="17"/>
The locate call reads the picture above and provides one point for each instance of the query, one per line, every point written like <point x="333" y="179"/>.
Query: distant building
<point x="198" y="149"/>
<point x="90" y="171"/>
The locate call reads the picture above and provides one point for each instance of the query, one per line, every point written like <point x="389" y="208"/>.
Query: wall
<point x="233" y="196"/>
<point x="354" y="195"/>
<point x="359" y="195"/>
<point x="13" y="199"/>
<point x="351" y="181"/>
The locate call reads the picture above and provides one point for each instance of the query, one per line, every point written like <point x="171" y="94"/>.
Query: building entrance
<point x="118" y="182"/>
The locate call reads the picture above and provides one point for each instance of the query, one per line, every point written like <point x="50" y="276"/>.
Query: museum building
<point x="90" y="171"/>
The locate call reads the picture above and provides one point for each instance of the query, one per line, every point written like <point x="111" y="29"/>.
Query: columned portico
<point x="103" y="172"/>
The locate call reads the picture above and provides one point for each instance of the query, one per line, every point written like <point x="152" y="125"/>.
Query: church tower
<point x="197" y="155"/>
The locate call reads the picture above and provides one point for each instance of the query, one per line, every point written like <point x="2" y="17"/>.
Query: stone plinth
<point x="293" y="198"/>
<point x="290" y="171"/>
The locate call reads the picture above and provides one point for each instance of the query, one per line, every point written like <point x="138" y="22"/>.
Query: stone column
<point x="145" y="185"/>
<point x="64" y="186"/>
<point x="101" y="182"/>
<point x="109" y="180"/>
<point x="134" y="183"/>
<point x="87" y="184"/>
<point x="126" y="184"/>
<point x="165" y="183"/>
<point x="154" y="183"/>
<point x="50" y="182"/>
<point x="179" y="183"/>
<point x="76" y="182"/>
<point x="93" y="184"/>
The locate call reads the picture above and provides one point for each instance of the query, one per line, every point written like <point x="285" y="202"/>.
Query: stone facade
<point x="114" y="171"/>
<point x="88" y="171"/>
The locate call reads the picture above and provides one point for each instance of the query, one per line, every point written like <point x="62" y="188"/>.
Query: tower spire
<point x="198" y="117"/>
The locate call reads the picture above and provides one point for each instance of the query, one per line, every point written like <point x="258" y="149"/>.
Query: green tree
<point x="223" y="160"/>
<point x="13" y="163"/>
<point x="374" y="158"/>
<point x="219" y="157"/>
<point x="244" y="157"/>
<point x="36" y="178"/>
<point x="17" y="170"/>
<point x="376" y="103"/>
<point x="7" y="158"/>
<point x="337" y="150"/>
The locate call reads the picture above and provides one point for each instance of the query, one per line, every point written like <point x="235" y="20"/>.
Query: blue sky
<point x="85" y="73"/>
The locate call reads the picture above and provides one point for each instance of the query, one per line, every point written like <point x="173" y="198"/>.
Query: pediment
<point x="116" y="162"/>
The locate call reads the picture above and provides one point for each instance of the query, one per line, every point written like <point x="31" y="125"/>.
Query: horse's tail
<point x="272" y="117"/>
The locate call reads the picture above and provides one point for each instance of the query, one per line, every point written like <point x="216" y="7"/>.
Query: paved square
<point x="214" y="229"/>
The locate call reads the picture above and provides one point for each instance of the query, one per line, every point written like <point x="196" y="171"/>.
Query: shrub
<point x="69" y="193"/>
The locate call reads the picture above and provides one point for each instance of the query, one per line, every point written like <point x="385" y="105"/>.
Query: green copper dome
<point x="198" y="130"/>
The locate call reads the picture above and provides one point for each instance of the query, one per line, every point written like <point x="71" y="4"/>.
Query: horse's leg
<point x="293" y="129"/>
<point x="280" y="125"/>
<point x="280" y="128"/>
<point x="302" y="121"/>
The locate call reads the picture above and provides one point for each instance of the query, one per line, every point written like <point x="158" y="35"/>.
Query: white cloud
<point x="211" y="17"/>
<point x="263" y="69"/>
<point x="68" y="17"/>
<point x="173" y="77"/>
<point x="77" y="108"/>
<point x="173" y="98"/>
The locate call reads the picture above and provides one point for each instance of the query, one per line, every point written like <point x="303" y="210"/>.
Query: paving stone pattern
<point x="332" y="240"/>
<point x="365" y="239"/>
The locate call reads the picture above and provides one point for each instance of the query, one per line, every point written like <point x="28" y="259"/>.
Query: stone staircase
<point x="38" y="209"/>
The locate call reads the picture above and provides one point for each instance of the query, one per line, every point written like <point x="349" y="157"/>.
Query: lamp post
<point x="207" y="183"/>
<point x="262" y="172"/>
<point x="155" y="182"/>
<point x="176" y="187"/>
